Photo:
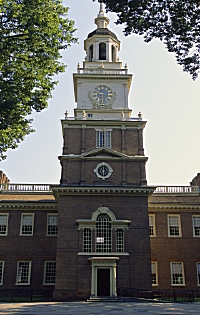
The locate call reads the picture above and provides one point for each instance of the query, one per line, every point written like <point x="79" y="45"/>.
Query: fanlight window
<point x="102" y="51"/>
<point x="103" y="233"/>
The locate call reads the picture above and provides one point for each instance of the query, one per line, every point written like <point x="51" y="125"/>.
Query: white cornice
<point x="20" y="205"/>
<point x="102" y="190"/>
<point x="78" y="123"/>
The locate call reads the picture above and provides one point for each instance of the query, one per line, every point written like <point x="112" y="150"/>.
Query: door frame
<point x="104" y="263"/>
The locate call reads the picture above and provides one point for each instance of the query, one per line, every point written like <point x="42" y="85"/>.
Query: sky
<point x="167" y="97"/>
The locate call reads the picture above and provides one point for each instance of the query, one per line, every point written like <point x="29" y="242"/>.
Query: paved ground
<point x="83" y="308"/>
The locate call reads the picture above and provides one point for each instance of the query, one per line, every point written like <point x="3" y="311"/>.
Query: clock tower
<point x="103" y="241"/>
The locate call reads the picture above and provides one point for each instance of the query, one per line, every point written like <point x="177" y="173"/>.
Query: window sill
<point x="178" y="285"/>
<point x="22" y="284"/>
<point x="103" y="254"/>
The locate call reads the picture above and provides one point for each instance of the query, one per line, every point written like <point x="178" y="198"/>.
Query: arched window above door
<point x="108" y="235"/>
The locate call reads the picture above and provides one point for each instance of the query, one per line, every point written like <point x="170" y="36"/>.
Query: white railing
<point x="11" y="188"/>
<point x="25" y="188"/>
<point x="176" y="189"/>
<point x="101" y="71"/>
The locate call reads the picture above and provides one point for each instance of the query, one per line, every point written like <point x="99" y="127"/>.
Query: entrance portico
<point x="103" y="281"/>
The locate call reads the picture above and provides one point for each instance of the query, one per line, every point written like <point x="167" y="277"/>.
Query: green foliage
<point x="32" y="33"/>
<point x="176" y="23"/>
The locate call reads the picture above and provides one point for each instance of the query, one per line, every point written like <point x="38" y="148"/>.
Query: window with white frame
<point x="174" y="225"/>
<point x="103" y="234"/>
<point x="103" y="138"/>
<point x="120" y="241"/>
<point x="3" y="224"/>
<point x="196" y="225"/>
<point x="198" y="273"/>
<point x="152" y="225"/>
<point x="1" y="271"/>
<point x="27" y="224"/>
<point x="49" y="272"/>
<point x="23" y="272"/>
<point x="154" y="273"/>
<point x="177" y="273"/>
<point x="108" y="233"/>
<point x="52" y="224"/>
<point x="87" y="240"/>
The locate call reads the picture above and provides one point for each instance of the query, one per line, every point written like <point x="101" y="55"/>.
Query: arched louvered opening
<point x="91" y="53"/>
<point x="102" y="51"/>
<point x="103" y="234"/>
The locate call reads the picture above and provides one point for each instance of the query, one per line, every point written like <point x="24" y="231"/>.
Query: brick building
<point x="89" y="235"/>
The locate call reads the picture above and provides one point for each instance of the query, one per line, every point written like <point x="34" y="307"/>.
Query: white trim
<point x="101" y="263"/>
<point x="113" y="254"/>
<point x="1" y="279"/>
<point x="28" y="214"/>
<point x="179" y="225"/>
<point x="154" y="225"/>
<point x="198" y="216"/>
<point x="51" y="214"/>
<point x="29" y="272"/>
<point x="7" y="216"/>
<point x="183" y="274"/>
<point x="156" y="272"/>
<point x="198" y="273"/>
<point x="102" y="176"/>
<point x="101" y="210"/>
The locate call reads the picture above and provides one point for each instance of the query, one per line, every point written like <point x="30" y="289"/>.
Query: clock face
<point x="102" y="94"/>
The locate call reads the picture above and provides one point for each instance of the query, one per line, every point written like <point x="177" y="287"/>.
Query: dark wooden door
<point x="103" y="282"/>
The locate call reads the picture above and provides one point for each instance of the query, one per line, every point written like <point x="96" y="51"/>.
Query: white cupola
<point x="102" y="45"/>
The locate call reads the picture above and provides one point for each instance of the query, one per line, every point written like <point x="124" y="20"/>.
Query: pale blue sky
<point x="167" y="97"/>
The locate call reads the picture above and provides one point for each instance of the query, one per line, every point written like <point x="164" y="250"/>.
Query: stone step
<point x="103" y="299"/>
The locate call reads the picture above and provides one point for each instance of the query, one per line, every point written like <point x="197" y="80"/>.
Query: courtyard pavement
<point x="84" y="308"/>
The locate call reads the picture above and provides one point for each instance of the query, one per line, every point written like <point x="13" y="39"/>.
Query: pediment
<point x="103" y="152"/>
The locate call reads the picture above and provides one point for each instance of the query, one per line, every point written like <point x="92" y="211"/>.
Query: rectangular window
<point x="27" y="224"/>
<point x="1" y="271"/>
<point x="23" y="272"/>
<point x="198" y="273"/>
<point x="52" y="224"/>
<point x="3" y="224"/>
<point x="154" y="273"/>
<point x="50" y="272"/>
<point x="196" y="225"/>
<point x="87" y="240"/>
<point x="120" y="241"/>
<point x="174" y="225"/>
<point x="103" y="138"/>
<point x="152" y="225"/>
<point x="177" y="274"/>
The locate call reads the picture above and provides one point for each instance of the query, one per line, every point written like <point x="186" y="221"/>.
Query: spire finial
<point x="101" y="7"/>
<point x="102" y="21"/>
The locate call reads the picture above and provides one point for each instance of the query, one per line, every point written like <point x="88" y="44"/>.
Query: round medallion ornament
<point x="103" y="170"/>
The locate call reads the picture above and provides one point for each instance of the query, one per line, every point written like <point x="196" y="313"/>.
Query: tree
<point x="176" y="23"/>
<point x="32" y="33"/>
